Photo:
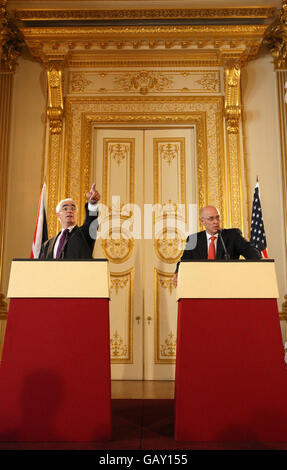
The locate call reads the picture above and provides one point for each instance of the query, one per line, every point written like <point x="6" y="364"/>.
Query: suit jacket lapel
<point x="202" y="245"/>
<point x="50" y="252"/>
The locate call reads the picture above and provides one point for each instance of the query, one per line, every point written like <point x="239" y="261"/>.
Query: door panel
<point x="145" y="178"/>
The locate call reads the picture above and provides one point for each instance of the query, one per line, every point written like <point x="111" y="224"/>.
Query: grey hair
<point x="59" y="205"/>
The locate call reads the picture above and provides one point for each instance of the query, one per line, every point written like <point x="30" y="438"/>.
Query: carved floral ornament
<point x="143" y="82"/>
<point x="276" y="38"/>
<point x="10" y="41"/>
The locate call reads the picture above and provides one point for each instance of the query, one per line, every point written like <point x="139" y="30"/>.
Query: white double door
<point x="147" y="179"/>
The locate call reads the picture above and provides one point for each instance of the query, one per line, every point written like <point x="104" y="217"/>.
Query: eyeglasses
<point x="68" y="208"/>
<point x="211" y="219"/>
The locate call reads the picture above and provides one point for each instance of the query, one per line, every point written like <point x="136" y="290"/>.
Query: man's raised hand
<point x="93" y="195"/>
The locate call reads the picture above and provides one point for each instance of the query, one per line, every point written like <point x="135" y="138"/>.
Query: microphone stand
<point x="226" y="254"/>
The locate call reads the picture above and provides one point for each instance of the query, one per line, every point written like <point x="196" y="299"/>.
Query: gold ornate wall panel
<point x="144" y="82"/>
<point x="234" y="177"/>
<point x="119" y="171"/>
<point x="122" y="317"/>
<point x="169" y="159"/>
<point x="206" y="113"/>
<point x="54" y="176"/>
<point x="165" y="318"/>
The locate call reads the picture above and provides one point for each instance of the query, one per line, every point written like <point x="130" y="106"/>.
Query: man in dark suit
<point x="214" y="243"/>
<point x="74" y="242"/>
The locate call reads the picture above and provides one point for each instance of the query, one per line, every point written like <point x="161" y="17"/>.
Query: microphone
<point x="226" y="254"/>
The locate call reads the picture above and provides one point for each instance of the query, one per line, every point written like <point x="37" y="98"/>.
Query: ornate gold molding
<point x="205" y="113"/>
<point x="55" y="109"/>
<point x="118" y="247"/>
<point x="55" y="114"/>
<point x="118" y="347"/>
<point x="10" y="41"/>
<point x="222" y="41"/>
<point x="122" y="342"/>
<point x="3" y="305"/>
<point x="276" y="39"/>
<point x="168" y="348"/>
<point x="232" y="106"/>
<point x="152" y="13"/>
<point x="164" y="343"/>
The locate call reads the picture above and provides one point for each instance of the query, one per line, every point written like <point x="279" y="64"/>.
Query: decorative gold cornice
<point x="202" y="44"/>
<point x="227" y="32"/>
<point x="135" y="14"/>
<point x="276" y="39"/>
<point x="10" y="41"/>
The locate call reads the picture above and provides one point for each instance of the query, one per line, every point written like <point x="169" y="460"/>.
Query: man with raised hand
<point x="74" y="242"/>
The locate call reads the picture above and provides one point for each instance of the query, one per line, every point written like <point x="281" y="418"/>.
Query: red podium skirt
<point x="55" y="371"/>
<point x="231" y="379"/>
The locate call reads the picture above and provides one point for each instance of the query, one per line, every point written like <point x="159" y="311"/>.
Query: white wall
<point x="25" y="161"/>
<point x="263" y="157"/>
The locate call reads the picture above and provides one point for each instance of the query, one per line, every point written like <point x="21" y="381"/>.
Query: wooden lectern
<point x="55" y="369"/>
<point x="231" y="379"/>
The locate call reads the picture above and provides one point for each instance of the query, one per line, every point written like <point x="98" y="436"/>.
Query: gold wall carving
<point x="122" y="284"/>
<point x="119" y="246"/>
<point x="206" y="113"/>
<point x="164" y="341"/>
<point x="145" y="82"/>
<point x="199" y="44"/>
<point x="78" y="138"/>
<point x="168" y="349"/>
<point x="166" y="150"/>
<point x="143" y="13"/>
<point x="234" y="177"/>
<point x="169" y="246"/>
<point x="53" y="180"/>
<point x="275" y="38"/>
<point x="232" y="98"/>
<point x="55" y="101"/>
<point x="119" y="151"/>
<point x="118" y="283"/>
<point x="10" y="41"/>
<point x="118" y="348"/>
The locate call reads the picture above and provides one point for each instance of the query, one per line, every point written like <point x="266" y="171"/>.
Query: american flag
<point x="257" y="233"/>
<point x="41" y="231"/>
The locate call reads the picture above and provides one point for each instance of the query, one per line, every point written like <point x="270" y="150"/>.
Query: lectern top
<point x="59" y="279"/>
<point x="211" y="279"/>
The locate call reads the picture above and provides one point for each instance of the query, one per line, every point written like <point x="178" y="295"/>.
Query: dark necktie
<point x="63" y="238"/>
<point x="211" y="249"/>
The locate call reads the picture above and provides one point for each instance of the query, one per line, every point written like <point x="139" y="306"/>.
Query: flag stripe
<point x="41" y="230"/>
